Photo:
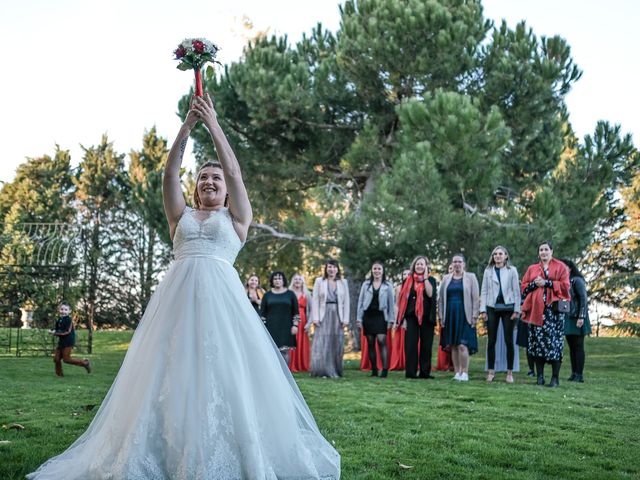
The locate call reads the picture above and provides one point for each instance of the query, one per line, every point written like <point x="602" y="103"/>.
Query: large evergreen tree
<point x="99" y="191"/>
<point x="417" y="128"/>
<point x="145" y="233"/>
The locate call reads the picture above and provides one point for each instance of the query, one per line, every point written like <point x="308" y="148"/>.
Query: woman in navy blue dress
<point x="459" y="305"/>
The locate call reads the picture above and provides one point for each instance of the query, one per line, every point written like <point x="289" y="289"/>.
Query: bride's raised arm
<point x="172" y="196"/>
<point x="239" y="204"/>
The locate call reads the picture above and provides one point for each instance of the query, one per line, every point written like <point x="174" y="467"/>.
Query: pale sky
<point x="75" y="69"/>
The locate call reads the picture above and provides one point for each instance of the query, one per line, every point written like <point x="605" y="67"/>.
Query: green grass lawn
<point x="438" y="428"/>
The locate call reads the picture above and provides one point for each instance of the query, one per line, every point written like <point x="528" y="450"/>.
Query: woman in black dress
<point x="280" y="314"/>
<point x="375" y="314"/>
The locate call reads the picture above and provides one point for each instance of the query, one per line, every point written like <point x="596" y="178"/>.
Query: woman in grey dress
<point x="329" y="315"/>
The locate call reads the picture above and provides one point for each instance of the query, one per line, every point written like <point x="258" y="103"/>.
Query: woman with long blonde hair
<point x="300" y="358"/>
<point x="417" y="314"/>
<point x="500" y="303"/>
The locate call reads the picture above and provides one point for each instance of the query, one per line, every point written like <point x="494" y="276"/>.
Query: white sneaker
<point x="456" y="377"/>
<point x="464" y="377"/>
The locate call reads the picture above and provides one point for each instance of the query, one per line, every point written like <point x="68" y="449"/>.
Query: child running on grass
<point x="66" y="341"/>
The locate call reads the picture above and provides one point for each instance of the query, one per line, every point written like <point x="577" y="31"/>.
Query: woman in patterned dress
<point x="329" y="314"/>
<point x="544" y="285"/>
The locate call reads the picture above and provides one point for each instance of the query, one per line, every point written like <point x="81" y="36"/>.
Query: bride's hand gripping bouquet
<point x="193" y="53"/>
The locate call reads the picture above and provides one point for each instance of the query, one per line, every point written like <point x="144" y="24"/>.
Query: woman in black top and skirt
<point x="375" y="315"/>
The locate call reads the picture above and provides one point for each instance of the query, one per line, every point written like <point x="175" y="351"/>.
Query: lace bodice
<point x="212" y="237"/>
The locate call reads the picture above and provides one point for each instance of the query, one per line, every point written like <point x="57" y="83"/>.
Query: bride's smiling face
<point x="212" y="189"/>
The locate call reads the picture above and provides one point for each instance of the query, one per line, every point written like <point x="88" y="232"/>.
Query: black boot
<point x="572" y="378"/>
<point x="384" y="373"/>
<point x="579" y="378"/>
<point x="540" y="370"/>
<point x="554" y="382"/>
<point x="374" y="372"/>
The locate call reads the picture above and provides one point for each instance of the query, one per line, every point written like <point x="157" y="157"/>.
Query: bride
<point x="203" y="392"/>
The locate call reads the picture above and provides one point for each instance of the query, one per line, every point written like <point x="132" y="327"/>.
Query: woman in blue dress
<point x="459" y="305"/>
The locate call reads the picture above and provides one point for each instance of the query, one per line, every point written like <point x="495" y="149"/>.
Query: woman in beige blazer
<point x="500" y="302"/>
<point x="459" y="304"/>
<point x="329" y="315"/>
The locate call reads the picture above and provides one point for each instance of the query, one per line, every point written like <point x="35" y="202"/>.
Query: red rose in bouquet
<point x="193" y="53"/>
<point x="180" y="52"/>
<point x="198" y="46"/>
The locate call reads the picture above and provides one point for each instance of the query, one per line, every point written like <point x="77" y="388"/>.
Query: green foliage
<point x="34" y="269"/>
<point x="145" y="179"/>
<point x="418" y="127"/>
<point x="613" y="259"/>
<point x="42" y="191"/>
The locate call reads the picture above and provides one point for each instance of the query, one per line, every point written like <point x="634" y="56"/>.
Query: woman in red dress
<point x="396" y="353"/>
<point x="444" y="358"/>
<point x="301" y="355"/>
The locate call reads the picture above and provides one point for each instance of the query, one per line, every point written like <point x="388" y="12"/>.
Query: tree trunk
<point x="94" y="252"/>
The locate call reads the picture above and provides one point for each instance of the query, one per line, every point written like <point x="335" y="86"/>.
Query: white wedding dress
<point x="203" y="392"/>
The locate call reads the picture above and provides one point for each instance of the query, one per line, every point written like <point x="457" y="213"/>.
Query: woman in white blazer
<point x="329" y="315"/>
<point x="500" y="302"/>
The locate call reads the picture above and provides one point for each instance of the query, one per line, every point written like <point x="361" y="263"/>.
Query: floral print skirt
<point x="547" y="341"/>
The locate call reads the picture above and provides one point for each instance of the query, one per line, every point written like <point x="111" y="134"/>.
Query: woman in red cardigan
<point x="543" y="286"/>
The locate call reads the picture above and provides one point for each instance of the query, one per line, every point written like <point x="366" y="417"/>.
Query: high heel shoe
<point x="509" y="378"/>
<point x="554" y="382"/>
<point x="374" y="372"/>
<point x="384" y="373"/>
<point x="491" y="374"/>
<point x="540" y="380"/>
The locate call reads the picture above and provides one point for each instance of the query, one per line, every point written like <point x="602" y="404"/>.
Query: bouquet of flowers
<point x="193" y="53"/>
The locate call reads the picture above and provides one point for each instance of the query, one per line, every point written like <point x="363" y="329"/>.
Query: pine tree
<point x="147" y="242"/>
<point x="99" y="191"/>
<point x="418" y="127"/>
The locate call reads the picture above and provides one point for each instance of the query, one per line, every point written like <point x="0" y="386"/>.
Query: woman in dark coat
<point x="576" y="323"/>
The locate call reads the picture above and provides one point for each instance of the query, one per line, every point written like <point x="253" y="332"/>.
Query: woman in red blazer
<point x="544" y="286"/>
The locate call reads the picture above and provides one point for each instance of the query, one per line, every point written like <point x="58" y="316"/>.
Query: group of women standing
<point x="549" y="302"/>
<point x="399" y="325"/>
<point x="412" y="323"/>
<point x="289" y="314"/>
